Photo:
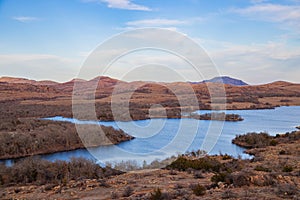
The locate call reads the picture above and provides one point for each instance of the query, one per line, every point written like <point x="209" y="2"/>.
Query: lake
<point x="162" y="138"/>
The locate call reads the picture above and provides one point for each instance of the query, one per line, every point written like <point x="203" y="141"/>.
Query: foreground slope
<point x="273" y="173"/>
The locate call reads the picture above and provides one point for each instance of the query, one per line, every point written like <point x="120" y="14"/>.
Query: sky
<point x="257" y="41"/>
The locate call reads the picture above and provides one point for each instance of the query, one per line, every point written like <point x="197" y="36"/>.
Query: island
<point x="219" y="116"/>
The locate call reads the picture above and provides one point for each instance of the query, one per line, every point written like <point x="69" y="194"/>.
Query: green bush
<point x="205" y="163"/>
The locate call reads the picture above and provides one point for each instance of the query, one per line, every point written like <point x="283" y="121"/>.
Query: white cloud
<point x="122" y="4"/>
<point x="39" y="66"/>
<point x="170" y="24"/>
<point x="155" y="22"/>
<point x="256" y="63"/>
<point x="149" y="47"/>
<point x="25" y="19"/>
<point x="258" y="1"/>
<point x="288" y="16"/>
<point x="271" y="12"/>
<point x="152" y="65"/>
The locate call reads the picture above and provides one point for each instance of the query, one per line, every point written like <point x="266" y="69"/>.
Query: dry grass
<point x="274" y="173"/>
<point x="237" y="179"/>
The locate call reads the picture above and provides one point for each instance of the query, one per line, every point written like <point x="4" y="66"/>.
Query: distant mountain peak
<point x="226" y="80"/>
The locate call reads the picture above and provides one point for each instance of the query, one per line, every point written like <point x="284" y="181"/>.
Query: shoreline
<point x="57" y="151"/>
<point x="70" y="148"/>
<point x="214" y="177"/>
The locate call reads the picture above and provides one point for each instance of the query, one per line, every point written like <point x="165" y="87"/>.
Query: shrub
<point x="287" y="190"/>
<point x="49" y="187"/>
<point x="226" y="157"/>
<point x="128" y="191"/>
<point x="114" y="195"/>
<point x="287" y="168"/>
<point x="273" y="142"/>
<point x="198" y="174"/>
<point x="282" y="152"/>
<point x="228" y="194"/>
<point x="220" y="177"/>
<point x="240" y="179"/>
<point x="37" y="171"/>
<point x="199" y="190"/>
<point x="205" y="163"/>
<point x="234" y="165"/>
<point x="262" y="168"/>
<point x="156" y="195"/>
<point x="269" y="179"/>
<point x="172" y="172"/>
<point x="254" y="140"/>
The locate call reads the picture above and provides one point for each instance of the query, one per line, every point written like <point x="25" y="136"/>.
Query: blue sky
<point x="255" y="40"/>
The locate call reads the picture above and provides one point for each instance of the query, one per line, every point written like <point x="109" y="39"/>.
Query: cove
<point x="154" y="134"/>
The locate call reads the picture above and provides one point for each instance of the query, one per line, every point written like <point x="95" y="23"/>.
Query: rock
<point x="221" y="185"/>
<point x="57" y="189"/>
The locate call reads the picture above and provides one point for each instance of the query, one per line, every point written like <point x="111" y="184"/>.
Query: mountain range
<point x="220" y="79"/>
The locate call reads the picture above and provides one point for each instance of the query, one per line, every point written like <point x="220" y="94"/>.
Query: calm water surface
<point x="178" y="135"/>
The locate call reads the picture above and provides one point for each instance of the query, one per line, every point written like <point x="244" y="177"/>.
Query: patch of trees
<point x="207" y="164"/>
<point x="255" y="140"/>
<point x="14" y="109"/>
<point x="250" y="99"/>
<point x="37" y="171"/>
<point x="218" y="116"/>
<point x="260" y="140"/>
<point x="228" y="172"/>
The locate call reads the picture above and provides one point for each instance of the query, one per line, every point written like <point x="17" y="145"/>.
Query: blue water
<point x="162" y="138"/>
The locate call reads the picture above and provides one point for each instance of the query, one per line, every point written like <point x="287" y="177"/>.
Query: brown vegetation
<point x="259" y="140"/>
<point x="41" y="172"/>
<point x="273" y="173"/>
<point x="254" y="140"/>
<point x="23" y="98"/>
<point x="25" y="137"/>
<point x="269" y="175"/>
<point x="217" y="116"/>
